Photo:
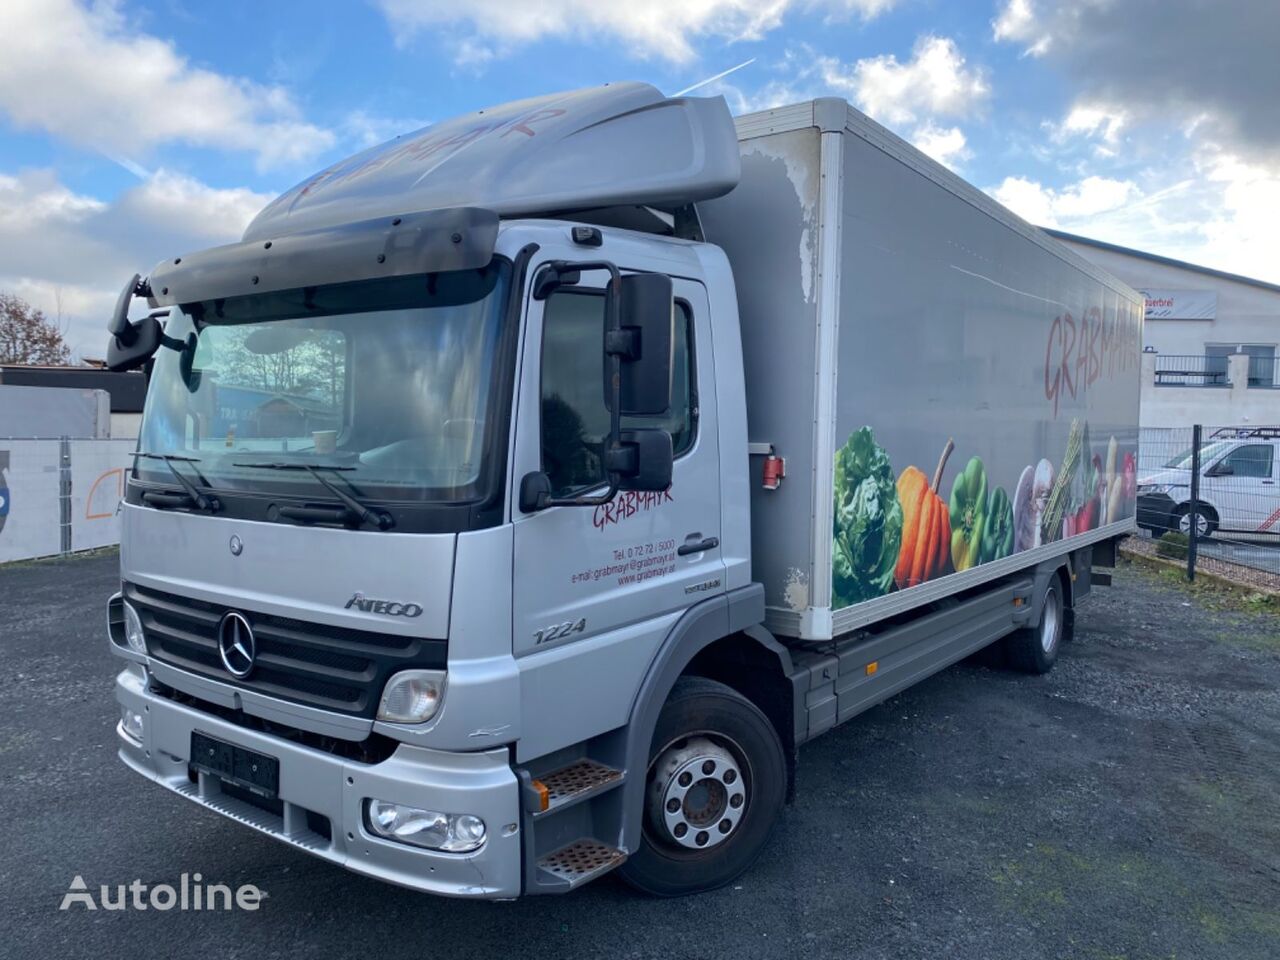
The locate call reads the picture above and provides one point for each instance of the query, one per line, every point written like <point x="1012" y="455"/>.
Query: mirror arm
<point x="596" y="501"/>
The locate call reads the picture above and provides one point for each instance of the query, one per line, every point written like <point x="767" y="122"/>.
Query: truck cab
<point x="357" y="431"/>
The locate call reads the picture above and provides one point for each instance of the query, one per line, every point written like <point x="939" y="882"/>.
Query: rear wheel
<point x="1035" y="649"/>
<point x="715" y="786"/>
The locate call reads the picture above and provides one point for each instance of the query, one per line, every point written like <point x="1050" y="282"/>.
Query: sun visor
<point x="619" y="144"/>
<point x="456" y="239"/>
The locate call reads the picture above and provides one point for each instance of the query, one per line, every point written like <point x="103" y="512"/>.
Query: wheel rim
<point x="1049" y="621"/>
<point x="1202" y="524"/>
<point x="697" y="794"/>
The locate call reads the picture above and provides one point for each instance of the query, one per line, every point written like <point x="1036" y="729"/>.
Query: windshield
<point x="388" y="380"/>
<point x="1208" y="453"/>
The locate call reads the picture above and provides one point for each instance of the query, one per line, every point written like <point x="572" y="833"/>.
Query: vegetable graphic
<point x="867" y="523"/>
<point x="1056" y="507"/>
<point x="926" y="525"/>
<point x="968" y="512"/>
<point x="1123" y="489"/>
<point x="997" y="529"/>
<point x="1109" y="481"/>
<point x="1026" y="520"/>
<point x="1086" y="517"/>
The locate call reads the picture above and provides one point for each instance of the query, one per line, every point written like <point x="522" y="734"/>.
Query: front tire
<point x="1206" y="521"/>
<point x="715" y="785"/>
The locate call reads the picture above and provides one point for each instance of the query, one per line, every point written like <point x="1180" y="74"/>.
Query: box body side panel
<point x="957" y="328"/>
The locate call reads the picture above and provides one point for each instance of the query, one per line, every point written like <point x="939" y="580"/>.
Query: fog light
<point x="132" y="724"/>
<point x="412" y="696"/>
<point x="450" y="832"/>
<point x="133" y="634"/>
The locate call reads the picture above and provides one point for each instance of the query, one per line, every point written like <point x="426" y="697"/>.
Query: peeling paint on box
<point x="795" y="591"/>
<point x="800" y="169"/>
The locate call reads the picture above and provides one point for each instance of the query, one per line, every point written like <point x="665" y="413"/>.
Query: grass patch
<point x="1212" y="592"/>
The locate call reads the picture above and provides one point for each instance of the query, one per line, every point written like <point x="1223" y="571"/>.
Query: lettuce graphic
<point x="868" y="522"/>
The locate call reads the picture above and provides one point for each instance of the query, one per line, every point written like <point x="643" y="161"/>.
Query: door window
<point x="575" y="420"/>
<point x="1249" y="460"/>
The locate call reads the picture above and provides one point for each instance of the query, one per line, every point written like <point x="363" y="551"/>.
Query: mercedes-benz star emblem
<point x="237" y="545"/>
<point x="236" y="645"/>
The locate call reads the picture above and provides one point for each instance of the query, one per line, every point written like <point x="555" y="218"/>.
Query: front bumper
<point x="1155" y="513"/>
<point x="331" y="787"/>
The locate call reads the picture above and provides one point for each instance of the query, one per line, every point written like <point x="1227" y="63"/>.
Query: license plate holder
<point x="255" y="772"/>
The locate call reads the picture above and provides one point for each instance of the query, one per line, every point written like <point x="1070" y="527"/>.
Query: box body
<point x="890" y="311"/>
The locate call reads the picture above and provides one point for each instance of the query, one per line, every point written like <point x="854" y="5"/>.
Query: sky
<point x="131" y="132"/>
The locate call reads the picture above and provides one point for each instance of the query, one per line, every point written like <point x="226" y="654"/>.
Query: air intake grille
<point x="318" y="665"/>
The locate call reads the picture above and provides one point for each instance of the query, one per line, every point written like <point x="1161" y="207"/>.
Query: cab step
<point x="580" y="861"/>
<point x="579" y="781"/>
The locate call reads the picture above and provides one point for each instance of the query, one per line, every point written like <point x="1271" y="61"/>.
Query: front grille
<point x="315" y="664"/>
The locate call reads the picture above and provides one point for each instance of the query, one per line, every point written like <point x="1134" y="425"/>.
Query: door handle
<point x="697" y="546"/>
<point x="1269" y="483"/>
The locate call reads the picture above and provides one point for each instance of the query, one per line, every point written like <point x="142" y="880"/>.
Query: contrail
<point x="725" y="73"/>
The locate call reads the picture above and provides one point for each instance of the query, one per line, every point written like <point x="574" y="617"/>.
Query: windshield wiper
<point x="202" y="502"/>
<point x="376" y="518"/>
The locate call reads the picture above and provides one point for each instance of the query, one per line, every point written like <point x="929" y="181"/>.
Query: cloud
<point x="909" y="96"/>
<point x="947" y="145"/>
<point x="70" y="254"/>
<point x="482" y="30"/>
<point x="1047" y="207"/>
<point x="1167" y="61"/>
<point x="1017" y="23"/>
<point x="89" y="77"/>
<point x="934" y="82"/>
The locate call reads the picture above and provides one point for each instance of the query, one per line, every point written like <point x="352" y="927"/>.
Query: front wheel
<point x="1206" y="521"/>
<point x="715" y="786"/>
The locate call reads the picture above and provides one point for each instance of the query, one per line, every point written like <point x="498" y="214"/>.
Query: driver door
<point x="607" y="581"/>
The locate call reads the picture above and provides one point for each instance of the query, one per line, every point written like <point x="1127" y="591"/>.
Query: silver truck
<point x="518" y="496"/>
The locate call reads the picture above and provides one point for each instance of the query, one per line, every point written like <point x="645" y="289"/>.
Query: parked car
<point x="1237" y="489"/>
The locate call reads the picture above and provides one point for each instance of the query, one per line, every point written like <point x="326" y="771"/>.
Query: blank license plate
<point x="246" y="768"/>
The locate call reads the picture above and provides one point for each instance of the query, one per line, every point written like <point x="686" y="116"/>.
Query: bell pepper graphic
<point x="968" y="515"/>
<point x="4" y="487"/>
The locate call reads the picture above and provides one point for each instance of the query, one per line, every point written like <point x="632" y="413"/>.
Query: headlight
<point x="412" y="696"/>
<point x="132" y="724"/>
<point x="133" y="634"/>
<point x="1150" y="489"/>
<point x="450" y="832"/>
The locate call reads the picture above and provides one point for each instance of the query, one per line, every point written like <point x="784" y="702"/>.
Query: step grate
<point x="577" y="778"/>
<point x="581" y="860"/>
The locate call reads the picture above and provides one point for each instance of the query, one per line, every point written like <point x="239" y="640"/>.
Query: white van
<point x="1237" y="486"/>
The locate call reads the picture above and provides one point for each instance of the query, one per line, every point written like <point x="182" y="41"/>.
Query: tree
<point x="27" y="335"/>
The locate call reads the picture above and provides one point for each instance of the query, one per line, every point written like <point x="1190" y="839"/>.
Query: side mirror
<point x="642" y="461"/>
<point x="131" y="344"/>
<point x="644" y="345"/>
<point x="1220" y="470"/>
<point x="145" y="338"/>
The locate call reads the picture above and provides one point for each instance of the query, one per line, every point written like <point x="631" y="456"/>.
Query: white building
<point x="1211" y="338"/>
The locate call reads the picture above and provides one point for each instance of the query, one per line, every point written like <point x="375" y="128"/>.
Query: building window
<point x="1262" y="361"/>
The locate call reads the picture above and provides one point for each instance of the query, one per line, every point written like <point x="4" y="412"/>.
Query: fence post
<point x="1194" y="515"/>
<point x="64" y="493"/>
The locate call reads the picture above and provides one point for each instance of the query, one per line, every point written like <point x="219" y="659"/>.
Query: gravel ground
<point x="1126" y="805"/>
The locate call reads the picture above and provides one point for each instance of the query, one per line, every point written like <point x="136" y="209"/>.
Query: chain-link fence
<point x="1210" y="497"/>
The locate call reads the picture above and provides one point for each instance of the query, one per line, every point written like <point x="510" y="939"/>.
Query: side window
<point x="1250" y="460"/>
<point x="575" y="421"/>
